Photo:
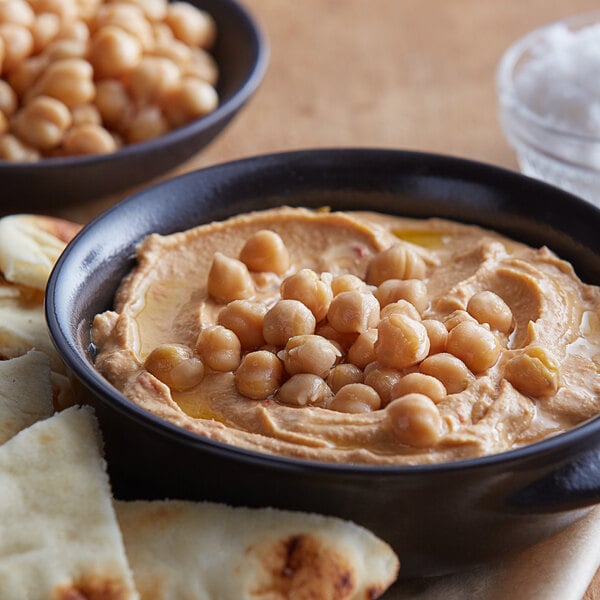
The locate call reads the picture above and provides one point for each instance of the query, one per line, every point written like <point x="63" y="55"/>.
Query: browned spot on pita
<point x="23" y="292"/>
<point x="31" y="295"/>
<point x="302" y="566"/>
<point x="59" y="228"/>
<point x="46" y="438"/>
<point x="157" y="518"/>
<point x="93" y="587"/>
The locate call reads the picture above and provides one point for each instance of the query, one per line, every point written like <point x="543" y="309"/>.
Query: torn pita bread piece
<point x="23" y="328"/>
<point x="30" y="245"/>
<point x="180" y="549"/>
<point x="25" y="393"/>
<point x="59" y="537"/>
<point x="63" y="391"/>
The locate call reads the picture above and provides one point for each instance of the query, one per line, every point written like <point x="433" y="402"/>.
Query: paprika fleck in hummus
<point x="354" y="337"/>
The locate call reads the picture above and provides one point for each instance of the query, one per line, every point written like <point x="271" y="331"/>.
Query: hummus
<point x="354" y="337"/>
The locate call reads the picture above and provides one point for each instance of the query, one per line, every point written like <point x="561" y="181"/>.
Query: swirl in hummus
<point x="354" y="337"/>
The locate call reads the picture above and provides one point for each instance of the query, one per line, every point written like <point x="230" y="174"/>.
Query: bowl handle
<point x="574" y="485"/>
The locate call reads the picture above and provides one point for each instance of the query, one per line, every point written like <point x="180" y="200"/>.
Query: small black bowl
<point x="241" y="53"/>
<point x="439" y="518"/>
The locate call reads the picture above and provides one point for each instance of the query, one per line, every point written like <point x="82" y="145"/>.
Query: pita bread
<point x="207" y="551"/>
<point x="63" y="390"/>
<point x="30" y="245"/>
<point x="23" y="328"/>
<point x="25" y="393"/>
<point x="59" y="538"/>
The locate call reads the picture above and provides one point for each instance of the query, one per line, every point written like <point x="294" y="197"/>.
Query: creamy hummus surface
<point x="354" y="337"/>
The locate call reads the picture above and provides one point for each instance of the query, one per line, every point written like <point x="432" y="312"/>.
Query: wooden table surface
<point x="411" y="74"/>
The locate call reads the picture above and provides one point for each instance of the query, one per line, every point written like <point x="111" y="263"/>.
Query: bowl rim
<point x="64" y="337"/>
<point x="510" y="101"/>
<point x="224" y="110"/>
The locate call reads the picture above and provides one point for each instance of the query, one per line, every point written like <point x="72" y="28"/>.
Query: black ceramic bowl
<point x="439" y="518"/>
<point x="241" y="54"/>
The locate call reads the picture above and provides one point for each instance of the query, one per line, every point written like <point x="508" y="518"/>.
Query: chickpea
<point x="259" y="375"/>
<point x="438" y="335"/>
<point x="175" y="366"/>
<point x="17" y="44"/>
<point x="128" y="17"/>
<point x="2" y="54"/>
<point x="245" y="319"/>
<point x="13" y="149"/>
<point x="362" y="351"/>
<point x="419" y="383"/>
<point x="113" y="102"/>
<point x="475" y="345"/>
<point x="309" y="354"/>
<point x="88" y="139"/>
<point x="154" y="10"/>
<point x="382" y="380"/>
<point x="286" y="319"/>
<point x="17" y="12"/>
<point x="191" y="25"/>
<point x="342" y="375"/>
<point x="147" y="124"/>
<point x="86" y="114"/>
<point x="411" y="290"/>
<point x="342" y="340"/>
<point x="304" y="389"/>
<point x="153" y="78"/>
<point x="114" y="52"/>
<point x="488" y="307"/>
<point x="44" y="29"/>
<point x="347" y="283"/>
<point x="59" y="49"/>
<point x="68" y="80"/>
<point x="192" y="99"/>
<point x="355" y="398"/>
<point x="65" y="9"/>
<point x="306" y="287"/>
<point x="229" y="279"/>
<point x="167" y="46"/>
<point x="8" y="99"/>
<point x="163" y="36"/>
<point x="26" y="73"/>
<point x="219" y="348"/>
<point x="397" y="262"/>
<point x="370" y="367"/>
<point x="74" y="29"/>
<point x="353" y="312"/>
<point x="201" y="66"/>
<point x="403" y="307"/>
<point x="456" y="317"/>
<point x="402" y="342"/>
<point x="450" y="370"/>
<point x="186" y="374"/>
<point x="534" y="372"/>
<point x="265" y="251"/>
<point x="415" y="420"/>
<point x="88" y="8"/>
<point x="42" y="123"/>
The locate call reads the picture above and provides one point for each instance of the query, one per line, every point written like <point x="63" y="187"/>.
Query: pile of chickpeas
<point x="84" y="77"/>
<point x="350" y="345"/>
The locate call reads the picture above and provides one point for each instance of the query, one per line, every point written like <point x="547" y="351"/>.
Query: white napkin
<point x="559" y="568"/>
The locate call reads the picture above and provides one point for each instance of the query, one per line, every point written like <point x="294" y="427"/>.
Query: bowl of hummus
<point x="407" y="340"/>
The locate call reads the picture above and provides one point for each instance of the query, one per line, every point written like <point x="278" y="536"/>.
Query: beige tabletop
<point x="411" y="74"/>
